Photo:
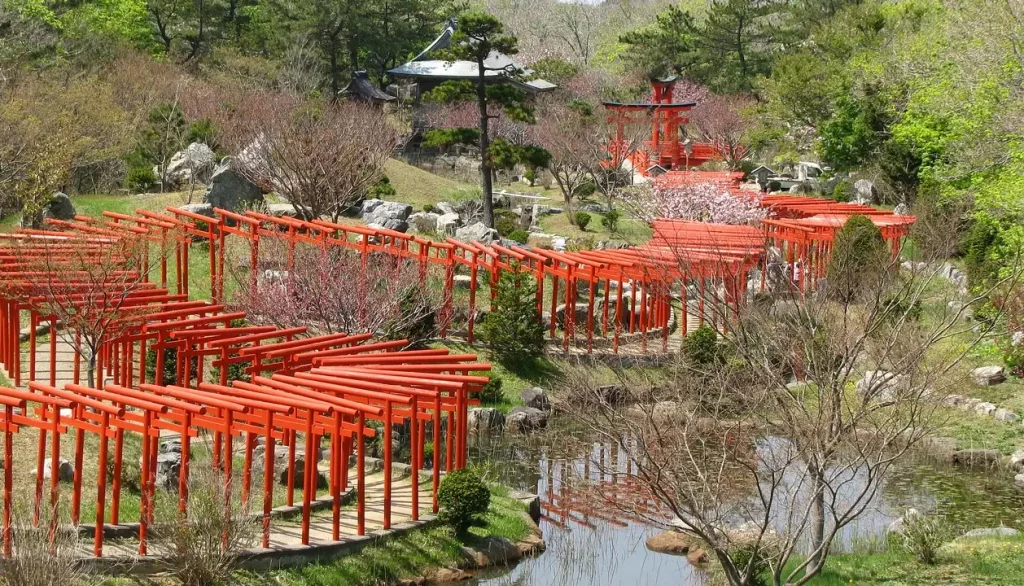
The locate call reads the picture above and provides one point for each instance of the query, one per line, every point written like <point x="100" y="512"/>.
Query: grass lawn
<point x="417" y="187"/>
<point x="631" y="230"/>
<point x="987" y="561"/>
<point x="404" y="556"/>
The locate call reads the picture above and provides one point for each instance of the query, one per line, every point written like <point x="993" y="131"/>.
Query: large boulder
<point x="898" y="526"/>
<point x="580" y="315"/>
<point x="393" y="224"/>
<point x="671" y="542"/>
<point x="485" y="420"/>
<point x="423" y="222"/>
<point x="991" y="532"/>
<point x="447" y="224"/>
<point x="444" y="207"/>
<point x="901" y="209"/>
<point x="281" y="466"/>
<point x="203" y="209"/>
<point x="230" y="190"/>
<point x="865" y="191"/>
<point x="65" y="471"/>
<point x="287" y="210"/>
<point x="477" y="232"/>
<point x="194" y="164"/>
<point x="168" y="465"/>
<point x="1017" y="459"/>
<point x="986" y="376"/>
<point x="535" y="397"/>
<point x="526" y="419"/>
<point x="59" y="208"/>
<point x="880" y="384"/>
<point x="384" y="212"/>
<point x="976" y="457"/>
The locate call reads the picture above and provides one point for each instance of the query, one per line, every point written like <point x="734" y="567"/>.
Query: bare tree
<point x="85" y="285"/>
<point x="332" y="291"/>
<point x="319" y="156"/>
<point x="722" y="121"/>
<point x="777" y="436"/>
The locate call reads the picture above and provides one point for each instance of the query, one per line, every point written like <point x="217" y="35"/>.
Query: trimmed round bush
<point x="520" y="236"/>
<point x="701" y="346"/>
<point x="463" y="498"/>
<point x="582" y="219"/>
<point x="859" y="258"/>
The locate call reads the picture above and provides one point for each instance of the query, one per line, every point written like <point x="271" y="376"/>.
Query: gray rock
<point x="387" y="211"/>
<point x="462" y="282"/>
<point x="992" y="532"/>
<point x="230" y="190"/>
<point x="897" y="526"/>
<point x="595" y="208"/>
<point x="579" y="316"/>
<point x="976" y="457"/>
<point x="881" y="384"/>
<point x="526" y="419"/>
<point x="1018" y="481"/>
<point x="60" y="207"/>
<point x="393" y="224"/>
<point x="1005" y="415"/>
<point x="423" y="222"/>
<point x="485" y="420"/>
<point x="500" y="200"/>
<point x="195" y="164"/>
<point x="901" y="209"/>
<point x="447" y="224"/>
<point x="612" y="244"/>
<point x="865" y="190"/>
<point x="612" y="394"/>
<point x="287" y="210"/>
<point x="65" y="471"/>
<point x="281" y="466"/>
<point x="369" y="205"/>
<point x="478" y="232"/>
<point x="444" y="207"/>
<point x="203" y="209"/>
<point x="1017" y="459"/>
<point x="988" y="375"/>
<point x="985" y="408"/>
<point x="535" y="397"/>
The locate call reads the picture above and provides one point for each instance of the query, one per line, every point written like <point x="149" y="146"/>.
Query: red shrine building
<point x="668" y="148"/>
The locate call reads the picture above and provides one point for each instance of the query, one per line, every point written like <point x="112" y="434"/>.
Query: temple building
<point x="429" y="69"/>
<point x="364" y="90"/>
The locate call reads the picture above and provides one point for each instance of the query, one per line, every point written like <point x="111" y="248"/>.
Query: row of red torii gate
<point x="290" y="386"/>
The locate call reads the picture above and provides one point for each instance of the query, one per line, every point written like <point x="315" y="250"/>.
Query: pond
<point x="592" y="543"/>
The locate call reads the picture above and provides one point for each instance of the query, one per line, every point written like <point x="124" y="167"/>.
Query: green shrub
<point x="203" y="131"/>
<point x="429" y="208"/>
<point x="922" y="536"/>
<point x="610" y="221"/>
<point x="492" y="393"/>
<point x="843" y="191"/>
<point x="519" y="235"/>
<point x="141" y="179"/>
<point x="859" y="258"/>
<point x="512" y="329"/>
<point x="505" y="222"/>
<point x="741" y="557"/>
<point x="702" y="348"/>
<point x="382" y="189"/>
<point x="463" y="498"/>
<point x="896" y="308"/>
<point x="170" y="373"/>
<point x="979" y="262"/>
<point x="582" y="219"/>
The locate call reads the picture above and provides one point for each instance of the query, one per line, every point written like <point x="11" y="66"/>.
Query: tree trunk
<point x="817" y="519"/>
<point x="485" y="163"/>
<point x="332" y="50"/>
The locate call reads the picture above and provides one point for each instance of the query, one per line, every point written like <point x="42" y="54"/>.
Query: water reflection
<point x="591" y="541"/>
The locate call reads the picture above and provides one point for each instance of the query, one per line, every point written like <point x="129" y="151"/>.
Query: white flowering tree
<point x="699" y="202"/>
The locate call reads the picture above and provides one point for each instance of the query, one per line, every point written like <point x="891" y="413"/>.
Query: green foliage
<point x="900" y="308"/>
<point x="429" y="208"/>
<point x="610" y="220"/>
<point x="492" y="393"/>
<point x="203" y="131"/>
<point x="141" y="179"/>
<point x="859" y="256"/>
<point x="979" y="250"/>
<point x="742" y="557"/>
<point x="519" y="235"/>
<point x="163" y="135"/>
<point x="555" y="70"/>
<point x="382" y="189"/>
<point x="1013" y="357"/>
<point x="581" y="219"/>
<point x="446" y="137"/>
<point x="923" y="535"/>
<point x="170" y="367"/>
<point x="464" y="499"/>
<point x="512" y="329"/>
<point x="702" y="348"/>
<point x="726" y="50"/>
<point x="843" y="191"/>
<point x="502" y="154"/>
<point x="506" y="222"/>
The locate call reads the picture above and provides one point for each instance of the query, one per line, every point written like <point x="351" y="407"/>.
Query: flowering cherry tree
<point x="698" y="202"/>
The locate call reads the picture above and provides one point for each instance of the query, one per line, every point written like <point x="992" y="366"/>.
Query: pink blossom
<point x="699" y="202"/>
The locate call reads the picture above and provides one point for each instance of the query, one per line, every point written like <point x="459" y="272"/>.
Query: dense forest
<point x="923" y="97"/>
